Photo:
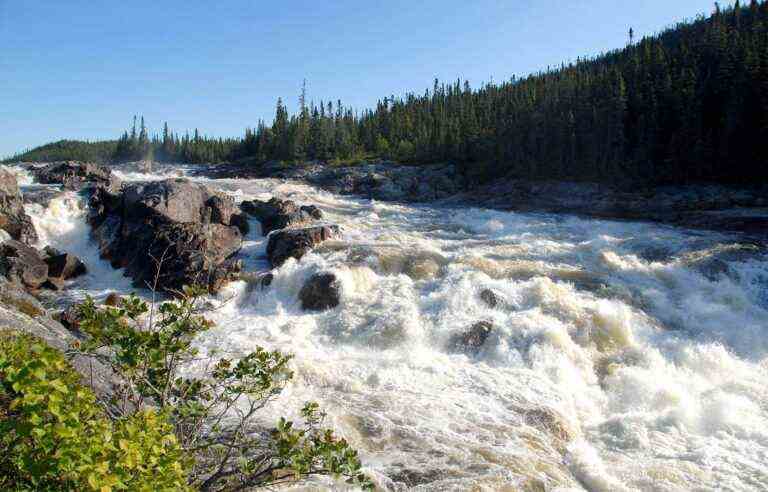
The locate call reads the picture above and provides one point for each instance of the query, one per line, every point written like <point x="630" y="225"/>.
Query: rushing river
<point x="624" y="356"/>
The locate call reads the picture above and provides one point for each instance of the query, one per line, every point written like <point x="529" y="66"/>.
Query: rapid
<point x="623" y="355"/>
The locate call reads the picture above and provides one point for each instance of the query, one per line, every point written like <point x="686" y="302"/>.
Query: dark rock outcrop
<point x="322" y="291"/>
<point x="181" y="228"/>
<point x="225" y="211"/>
<point x="278" y="214"/>
<point x="13" y="219"/>
<point x="41" y="195"/>
<point x="73" y="175"/>
<point x="295" y="243"/>
<point x="22" y="264"/>
<point x="472" y="340"/>
<point x="65" y="266"/>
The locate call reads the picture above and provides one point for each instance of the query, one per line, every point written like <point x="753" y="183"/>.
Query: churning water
<point x="624" y="356"/>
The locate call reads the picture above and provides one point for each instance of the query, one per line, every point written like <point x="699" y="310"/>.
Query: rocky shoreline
<point x="163" y="234"/>
<point x="708" y="206"/>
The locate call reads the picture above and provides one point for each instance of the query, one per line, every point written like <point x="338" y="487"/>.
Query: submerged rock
<point x="472" y="340"/>
<point x="278" y="214"/>
<point x="322" y="291"/>
<point x="75" y="175"/>
<point x="491" y="298"/>
<point x="13" y="219"/>
<point x="295" y="243"/>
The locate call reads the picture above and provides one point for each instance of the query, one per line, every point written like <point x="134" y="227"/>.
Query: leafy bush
<point x="213" y="414"/>
<point x="55" y="436"/>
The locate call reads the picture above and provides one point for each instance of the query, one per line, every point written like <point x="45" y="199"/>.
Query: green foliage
<point x="214" y="412"/>
<point x="64" y="150"/>
<point x="55" y="436"/>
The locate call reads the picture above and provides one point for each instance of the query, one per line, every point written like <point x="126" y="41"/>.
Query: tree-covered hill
<point x="687" y="105"/>
<point x="68" y="150"/>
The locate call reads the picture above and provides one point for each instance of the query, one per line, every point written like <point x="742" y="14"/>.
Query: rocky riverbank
<point x="707" y="206"/>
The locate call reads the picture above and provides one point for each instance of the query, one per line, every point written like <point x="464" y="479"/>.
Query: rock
<point x="75" y="175"/>
<point x="65" y="266"/>
<point x="22" y="264"/>
<point x="278" y="214"/>
<point x="549" y="421"/>
<point x="491" y="298"/>
<point x="322" y="291"/>
<point x="49" y="251"/>
<point x="69" y="318"/>
<point x="169" y="201"/>
<point x="13" y="219"/>
<point x="180" y="227"/>
<point x="472" y="340"/>
<point x="225" y="211"/>
<point x="40" y="196"/>
<point x="54" y="283"/>
<point x="113" y="299"/>
<point x="21" y="312"/>
<point x="295" y="243"/>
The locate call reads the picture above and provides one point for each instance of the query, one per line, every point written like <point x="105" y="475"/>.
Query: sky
<point x="81" y="69"/>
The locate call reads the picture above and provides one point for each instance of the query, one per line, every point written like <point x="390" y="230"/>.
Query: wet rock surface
<point x="322" y="291"/>
<point x="73" y="175"/>
<point x="705" y="206"/>
<point x="491" y="298"/>
<point x="295" y="243"/>
<point x="472" y="340"/>
<point x="168" y="234"/>
<point x="13" y="219"/>
<point x="22" y="264"/>
<point x="65" y="266"/>
<point x="278" y="214"/>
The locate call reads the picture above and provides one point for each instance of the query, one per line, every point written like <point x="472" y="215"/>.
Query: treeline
<point x="68" y="150"/>
<point x="136" y="145"/>
<point x="687" y="105"/>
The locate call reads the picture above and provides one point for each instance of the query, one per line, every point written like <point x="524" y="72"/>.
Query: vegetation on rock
<point x="159" y="429"/>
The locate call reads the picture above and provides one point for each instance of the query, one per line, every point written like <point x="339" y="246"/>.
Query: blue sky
<point x="81" y="69"/>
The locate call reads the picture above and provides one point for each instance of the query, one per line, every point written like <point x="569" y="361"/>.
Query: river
<point x="623" y="355"/>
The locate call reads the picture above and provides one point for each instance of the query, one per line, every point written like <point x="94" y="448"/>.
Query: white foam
<point x="646" y="373"/>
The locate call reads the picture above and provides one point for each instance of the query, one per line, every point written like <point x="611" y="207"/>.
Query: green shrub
<point x="214" y="412"/>
<point x="55" y="436"/>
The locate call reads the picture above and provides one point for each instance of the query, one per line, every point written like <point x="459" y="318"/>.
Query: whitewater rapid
<point x="624" y="356"/>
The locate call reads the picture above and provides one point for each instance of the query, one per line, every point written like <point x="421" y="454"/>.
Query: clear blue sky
<point x="81" y="69"/>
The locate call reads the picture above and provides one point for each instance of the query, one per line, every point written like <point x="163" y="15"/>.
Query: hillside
<point x="68" y="150"/>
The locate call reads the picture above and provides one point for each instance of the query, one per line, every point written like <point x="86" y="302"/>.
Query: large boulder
<point x="278" y="214"/>
<point x="322" y="291"/>
<point x="22" y="264"/>
<point x="167" y="234"/>
<point x="75" y="175"/>
<point x="13" y="218"/>
<point x="295" y="243"/>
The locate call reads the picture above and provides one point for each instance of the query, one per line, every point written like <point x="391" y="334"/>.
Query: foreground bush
<point x="157" y="429"/>
<point x="55" y="436"/>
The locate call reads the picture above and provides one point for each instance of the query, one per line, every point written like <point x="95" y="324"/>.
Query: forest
<point x="689" y="104"/>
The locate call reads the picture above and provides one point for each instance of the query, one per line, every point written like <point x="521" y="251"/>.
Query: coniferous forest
<point x="687" y="105"/>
